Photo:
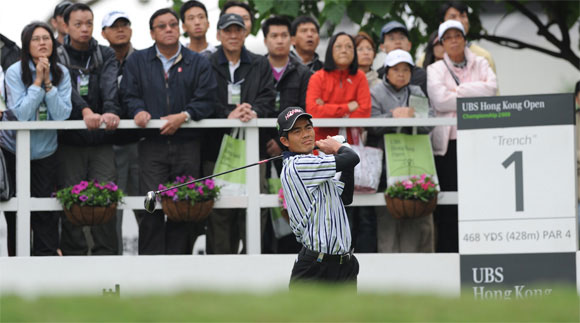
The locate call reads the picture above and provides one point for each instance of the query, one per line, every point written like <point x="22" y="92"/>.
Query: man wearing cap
<point x="392" y="98"/>
<point x="169" y="82"/>
<point x="459" y="74"/>
<point x="316" y="200"/>
<point x="57" y="20"/>
<point x="245" y="91"/>
<point x="116" y="29"/>
<point x="395" y="35"/>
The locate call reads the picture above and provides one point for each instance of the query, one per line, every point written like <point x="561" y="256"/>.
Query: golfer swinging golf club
<point x="316" y="200"/>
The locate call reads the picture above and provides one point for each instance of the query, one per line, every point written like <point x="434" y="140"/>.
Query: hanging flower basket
<point x="400" y="208"/>
<point x="183" y="211"/>
<point x="90" y="202"/>
<point x="90" y="215"/>
<point x="413" y="197"/>
<point x="192" y="202"/>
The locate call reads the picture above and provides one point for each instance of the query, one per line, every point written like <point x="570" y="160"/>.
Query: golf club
<point x="150" y="198"/>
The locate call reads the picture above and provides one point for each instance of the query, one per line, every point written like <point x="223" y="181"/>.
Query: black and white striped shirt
<point x="313" y="197"/>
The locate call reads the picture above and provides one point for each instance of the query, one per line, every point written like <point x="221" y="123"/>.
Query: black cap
<point x="287" y="118"/>
<point x="392" y="26"/>
<point x="230" y="19"/>
<point x="60" y="8"/>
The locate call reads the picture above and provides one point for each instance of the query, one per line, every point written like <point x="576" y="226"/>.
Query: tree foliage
<point x="371" y="15"/>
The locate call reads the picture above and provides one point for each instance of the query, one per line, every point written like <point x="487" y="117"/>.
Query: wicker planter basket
<point x="400" y="208"/>
<point x="90" y="215"/>
<point x="182" y="211"/>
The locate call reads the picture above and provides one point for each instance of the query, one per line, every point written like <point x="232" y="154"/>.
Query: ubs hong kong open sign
<point x="517" y="195"/>
<point x="516" y="174"/>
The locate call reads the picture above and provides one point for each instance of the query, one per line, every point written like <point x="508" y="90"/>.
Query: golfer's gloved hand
<point x="341" y="139"/>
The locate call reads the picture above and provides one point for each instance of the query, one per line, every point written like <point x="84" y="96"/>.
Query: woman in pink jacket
<point x="459" y="74"/>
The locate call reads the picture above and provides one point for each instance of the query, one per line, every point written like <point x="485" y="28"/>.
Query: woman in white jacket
<point x="459" y="74"/>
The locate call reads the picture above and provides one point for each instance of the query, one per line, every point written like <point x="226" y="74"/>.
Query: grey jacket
<point x="384" y="99"/>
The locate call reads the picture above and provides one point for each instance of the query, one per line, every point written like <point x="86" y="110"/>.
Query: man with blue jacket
<point x="170" y="82"/>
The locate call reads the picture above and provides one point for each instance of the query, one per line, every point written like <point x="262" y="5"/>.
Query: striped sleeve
<point x="314" y="170"/>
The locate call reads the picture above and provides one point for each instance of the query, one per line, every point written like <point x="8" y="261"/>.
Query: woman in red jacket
<point x="340" y="90"/>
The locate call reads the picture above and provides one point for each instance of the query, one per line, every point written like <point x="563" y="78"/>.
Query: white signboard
<point x="517" y="175"/>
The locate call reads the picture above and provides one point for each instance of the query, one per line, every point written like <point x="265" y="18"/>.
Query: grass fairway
<point x="320" y="304"/>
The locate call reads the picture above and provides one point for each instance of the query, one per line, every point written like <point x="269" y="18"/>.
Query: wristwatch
<point x="48" y="86"/>
<point x="187" y="116"/>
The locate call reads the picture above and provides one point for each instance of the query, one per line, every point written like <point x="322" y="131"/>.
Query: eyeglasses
<point x="172" y="25"/>
<point x="37" y="39"/>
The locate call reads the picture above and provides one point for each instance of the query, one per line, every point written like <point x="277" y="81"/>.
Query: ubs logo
<point x="487" y="275"/>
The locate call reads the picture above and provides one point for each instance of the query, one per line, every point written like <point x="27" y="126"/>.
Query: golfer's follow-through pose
<point x="316" y="200"/>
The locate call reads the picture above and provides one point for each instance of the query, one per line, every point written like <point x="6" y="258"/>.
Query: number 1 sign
<point x="516" y="174"/>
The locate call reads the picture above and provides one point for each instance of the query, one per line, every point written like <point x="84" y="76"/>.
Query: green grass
<point x="320" y="304"/>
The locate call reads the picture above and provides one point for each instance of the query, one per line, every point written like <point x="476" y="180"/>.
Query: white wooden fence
<point x="252" y="202"/>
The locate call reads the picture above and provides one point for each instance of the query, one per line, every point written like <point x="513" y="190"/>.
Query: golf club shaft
<point x="222" y="173"/>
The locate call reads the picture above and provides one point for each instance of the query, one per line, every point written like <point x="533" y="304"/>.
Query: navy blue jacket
<point x="191" y="86"/>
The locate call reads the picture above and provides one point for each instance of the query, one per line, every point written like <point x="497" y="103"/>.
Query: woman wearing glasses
<point x="459" y="74"/>
<point x="37" y="89"/>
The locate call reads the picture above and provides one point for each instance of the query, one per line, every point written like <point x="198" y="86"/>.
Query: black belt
<point x="324" y="257"/>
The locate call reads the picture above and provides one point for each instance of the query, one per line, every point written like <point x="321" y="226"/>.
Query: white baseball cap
<point x="450" y="24"/>
<point x="398" y="56"/>
<point x="110" y="18"/>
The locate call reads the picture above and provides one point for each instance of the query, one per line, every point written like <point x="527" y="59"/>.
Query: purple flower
<point x="200" y="190"/>
<point x="83" y="184"/>
<point x="83" y="198"/>
<point x="111" y="186"/>
<point x="191" y="186"/>
<point x="210" y="184"/>
<point x="161" y="187"/>
<point x="175" y="198"/>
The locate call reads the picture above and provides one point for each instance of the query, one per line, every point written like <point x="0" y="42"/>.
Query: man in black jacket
<point x="245" y="91"/>
<point x="9" y="52"/>
<point x="170" y="82"/>
<point x="394" y="35"/>
<point x="305" y="38"/>
<point x="87" y="154"/>
<point x="291" y="81"/>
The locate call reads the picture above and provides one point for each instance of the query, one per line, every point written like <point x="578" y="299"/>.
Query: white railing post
<point x="23" y="193"/>
<point x="253" y="227"/>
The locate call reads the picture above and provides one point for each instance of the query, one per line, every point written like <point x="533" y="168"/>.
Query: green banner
<point x="409" y="155"/>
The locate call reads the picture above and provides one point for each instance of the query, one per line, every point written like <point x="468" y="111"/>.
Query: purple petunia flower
<point x="200" y="190"/>
<point x="83" y="198"/>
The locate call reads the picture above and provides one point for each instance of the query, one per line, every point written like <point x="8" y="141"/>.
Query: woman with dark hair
<point x="366" y="52"/>
<point x="37" y="88"/>
<point x="433" y="52"/>
<point x="340" y="90"/>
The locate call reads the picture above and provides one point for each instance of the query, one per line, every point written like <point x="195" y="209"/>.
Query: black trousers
<point x="307" y="268"/>
<point x="445" y="217"/>
<point x="160" y="162"/>
<point x="44" y="225"/>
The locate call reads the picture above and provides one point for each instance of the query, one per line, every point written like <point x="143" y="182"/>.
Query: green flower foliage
<point x="196" y="192"/>
<point x="416" y="188"/>
<point x="90" y="194"/>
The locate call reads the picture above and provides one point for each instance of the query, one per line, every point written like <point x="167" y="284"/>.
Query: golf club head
<point x="150" y="201"/>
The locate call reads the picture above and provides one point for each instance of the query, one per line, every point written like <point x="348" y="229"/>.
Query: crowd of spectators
<point x="62" y="73"/>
